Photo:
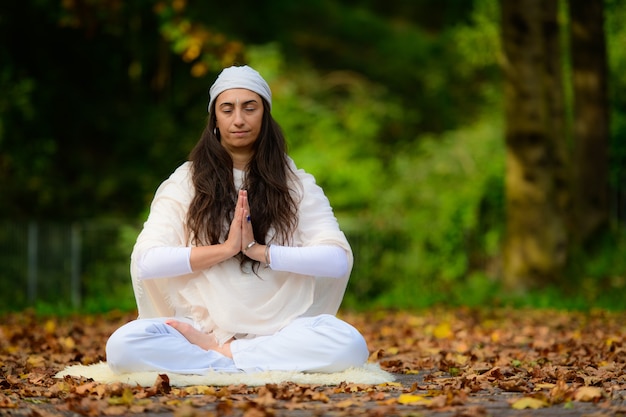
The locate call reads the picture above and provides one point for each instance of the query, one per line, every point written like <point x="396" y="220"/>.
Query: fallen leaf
<point x="7" y="402"/>
<point x="444" y="359"/>
<point x="126" y="398"/>
<point x="528" y="402"/>
<point x="36" y="361"/>
<point x="413" y="399"/>
<point x="587" y="394"/>
<point x="443" y="331"/>
<point x="344" y="404"/>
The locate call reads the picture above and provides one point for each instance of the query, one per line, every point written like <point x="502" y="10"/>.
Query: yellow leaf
<point x="442" y="331"/>
<point x="192" y="52"/>
<point x="50" y="326"/>
<point x="587" y="394"/>
<point x="68" y="342"/>
<point x="390" y="384"/>
<point x="127" y="398"/>
<point x="199" y="69"/>
<point x="392" y="351"/>
<point x="388" y="330"/>
<point x="529" y="402"/>
<point x="36" y="361"/>
<point x="12" y="349"/>
<point x="200" y="390"/>
<point x="413" y="399"/>
<point x="461" y="359"/>
<point x="415" y="321"/>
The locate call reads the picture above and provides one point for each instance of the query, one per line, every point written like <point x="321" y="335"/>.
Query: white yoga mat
<point x="370" y="373"/>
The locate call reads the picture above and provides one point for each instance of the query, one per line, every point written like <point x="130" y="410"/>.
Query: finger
<point x="246" y="207"/>
<point x="234" y="233"/>
<point x="240" y="213"/>
<point x="237" y="224"/>
<point x="245" y="201"/>
<point x="240" y="197"/>
<point x="246" y="222"/>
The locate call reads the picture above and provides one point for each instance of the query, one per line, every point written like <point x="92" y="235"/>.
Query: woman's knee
<point x="123" y="350"/>
<point x="354" y="351"/>
<point x="117" y="348"/>
<point x="349" y="346"/>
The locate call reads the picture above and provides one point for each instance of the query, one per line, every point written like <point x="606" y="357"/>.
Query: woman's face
<point x="239" y="115"/>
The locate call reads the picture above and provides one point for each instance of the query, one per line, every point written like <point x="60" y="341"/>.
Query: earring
<point x="216" y="132"/>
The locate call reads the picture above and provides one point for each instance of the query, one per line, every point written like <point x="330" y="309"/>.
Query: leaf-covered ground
<point x="459" y="362"/>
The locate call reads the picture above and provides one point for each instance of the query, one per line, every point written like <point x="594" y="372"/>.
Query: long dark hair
<point x="273" y="204"/>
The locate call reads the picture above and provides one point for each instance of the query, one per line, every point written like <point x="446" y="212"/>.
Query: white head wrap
<point x="240" y="77"/>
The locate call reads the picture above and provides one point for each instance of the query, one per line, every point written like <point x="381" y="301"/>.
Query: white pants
<point x="309" y="344"/>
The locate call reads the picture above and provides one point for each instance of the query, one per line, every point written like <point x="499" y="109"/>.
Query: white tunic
<point x="223" y="299"/>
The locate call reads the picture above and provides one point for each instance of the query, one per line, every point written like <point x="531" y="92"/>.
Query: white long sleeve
<point x="165" y="261"/>
<point x="322" y="261"/>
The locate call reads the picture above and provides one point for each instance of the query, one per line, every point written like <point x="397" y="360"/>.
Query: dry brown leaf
<point x="587" y="394"/>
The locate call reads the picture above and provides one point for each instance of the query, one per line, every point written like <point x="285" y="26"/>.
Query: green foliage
<point x="444" y="200"/>
<point x="393" y="106"/>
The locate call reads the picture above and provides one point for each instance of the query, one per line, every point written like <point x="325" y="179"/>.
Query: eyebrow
<point x="228" y="103"/>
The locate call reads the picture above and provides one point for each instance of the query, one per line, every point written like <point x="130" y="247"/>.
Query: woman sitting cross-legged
<point x="241" y="264"/>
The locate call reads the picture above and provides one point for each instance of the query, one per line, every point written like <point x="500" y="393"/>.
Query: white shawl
<point x="223" y="299"/>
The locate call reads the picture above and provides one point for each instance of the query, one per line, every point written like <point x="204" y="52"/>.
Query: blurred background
<point x="473" y="150"/>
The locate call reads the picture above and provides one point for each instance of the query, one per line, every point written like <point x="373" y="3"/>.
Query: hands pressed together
<point x="239" y="238"/>
<point x="241" y="234"/>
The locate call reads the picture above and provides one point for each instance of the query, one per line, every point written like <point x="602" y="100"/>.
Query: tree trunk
<point x="590" y="189"/>
<point x="535" y="247"/>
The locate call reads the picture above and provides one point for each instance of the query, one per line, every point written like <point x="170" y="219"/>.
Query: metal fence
<point x="63" y="265"/>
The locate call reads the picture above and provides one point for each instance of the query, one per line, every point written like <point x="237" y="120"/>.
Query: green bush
<point x="445" y="199"/>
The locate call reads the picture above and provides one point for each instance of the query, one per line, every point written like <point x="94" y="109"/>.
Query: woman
<point x="241" y="265"/>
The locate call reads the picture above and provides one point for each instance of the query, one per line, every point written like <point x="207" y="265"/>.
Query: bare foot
<point x="206" y="341"/>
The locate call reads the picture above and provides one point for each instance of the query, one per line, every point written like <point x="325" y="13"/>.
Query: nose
<point x="238" y="120"/>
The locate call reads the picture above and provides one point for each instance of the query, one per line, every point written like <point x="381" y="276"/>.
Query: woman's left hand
<point x="247" y="233"/>
<point x="256" y="251"/>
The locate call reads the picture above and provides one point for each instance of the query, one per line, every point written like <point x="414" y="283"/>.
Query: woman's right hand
<point x="233" y="241"/>
<point x="203" y="257"/>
